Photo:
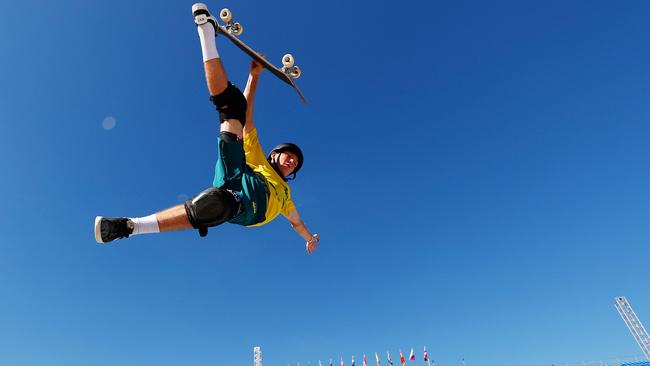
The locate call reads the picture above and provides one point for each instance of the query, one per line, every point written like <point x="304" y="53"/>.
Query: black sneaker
<point x="202" y="15"/>
<point x="109" y="228"/>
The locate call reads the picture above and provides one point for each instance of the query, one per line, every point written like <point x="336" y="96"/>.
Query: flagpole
<point x="427" y="356"/>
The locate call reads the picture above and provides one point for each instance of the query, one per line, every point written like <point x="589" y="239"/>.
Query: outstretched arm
<point x="299" y="226"/>
<point x="251" y="86"/>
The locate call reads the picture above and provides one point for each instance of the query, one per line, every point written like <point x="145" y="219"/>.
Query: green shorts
<point x="231" y="172"/>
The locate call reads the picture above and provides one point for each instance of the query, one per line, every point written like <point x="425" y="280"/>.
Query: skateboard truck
<point x="233" y="27"/>
<point x="289" y="68"/>
<point x="286" y="73"/>
<point x="236" y="29"/>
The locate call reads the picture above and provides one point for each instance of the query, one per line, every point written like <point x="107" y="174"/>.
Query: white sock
<point x="208" y="44"/>
<point x="145" y="225"/>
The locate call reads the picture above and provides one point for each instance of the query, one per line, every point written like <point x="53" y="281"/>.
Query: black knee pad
<point x="231" y="104"/>
<point x="212" y="207"/>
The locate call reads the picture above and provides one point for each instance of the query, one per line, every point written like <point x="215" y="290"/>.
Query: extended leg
<point x="212" y="207"/>
<point x="108" y="229"/>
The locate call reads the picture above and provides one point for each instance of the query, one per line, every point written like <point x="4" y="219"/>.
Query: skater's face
<point x="287" y="162"/>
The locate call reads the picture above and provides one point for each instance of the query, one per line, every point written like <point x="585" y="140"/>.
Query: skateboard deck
<point x="225" y="30"/>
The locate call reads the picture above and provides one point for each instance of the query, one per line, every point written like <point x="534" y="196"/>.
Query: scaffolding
<point x="257" y="356"/>
<point x="634" y="324"/>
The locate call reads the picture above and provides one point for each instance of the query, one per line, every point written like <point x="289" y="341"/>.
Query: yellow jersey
<point x="279" y="199"/>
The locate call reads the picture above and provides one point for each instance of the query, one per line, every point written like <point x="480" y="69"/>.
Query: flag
<point x="352" y="360"/>
<point x="412" y="356"/>
<point x="377" y="358"/>
<point x="426" y="355"/>
<point x="401" y="358"/>
<point x="365" y="363"/>
<point x="390" y="360"/>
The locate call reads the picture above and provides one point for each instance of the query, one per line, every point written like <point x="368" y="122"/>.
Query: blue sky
<point x="478" y="173"/>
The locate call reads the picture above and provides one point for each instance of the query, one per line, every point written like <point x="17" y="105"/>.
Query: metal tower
<point x="257" y="356"/>
<point x="634" y="324"/>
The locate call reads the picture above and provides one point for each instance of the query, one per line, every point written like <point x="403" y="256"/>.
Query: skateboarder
<point x="249" y="188"/>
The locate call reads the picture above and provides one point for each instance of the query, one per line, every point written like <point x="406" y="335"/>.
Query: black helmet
<point x="293" y="148"/>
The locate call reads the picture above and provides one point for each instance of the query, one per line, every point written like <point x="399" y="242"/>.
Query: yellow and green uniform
<point x="279" y="199"/>
<point x="242" y="168"/>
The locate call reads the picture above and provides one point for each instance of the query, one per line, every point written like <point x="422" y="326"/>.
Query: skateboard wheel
<point x="237" y="29"/>
<point x="287" y="60"/>
<point x="225" y="15"/>
<point x="295" y="72"/>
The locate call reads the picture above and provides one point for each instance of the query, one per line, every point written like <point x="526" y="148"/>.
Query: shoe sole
<point x="202" y="15"/>
<point x="199" y="6"/>
<point x="98" y="229"/>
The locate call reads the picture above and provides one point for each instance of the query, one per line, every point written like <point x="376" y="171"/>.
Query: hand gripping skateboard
<point x="287" y="73"/>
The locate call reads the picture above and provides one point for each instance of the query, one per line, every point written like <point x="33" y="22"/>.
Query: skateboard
<point x="287" y="73"/>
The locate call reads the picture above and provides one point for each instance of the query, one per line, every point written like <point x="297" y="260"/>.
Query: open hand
<point x="312" y="244"/>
